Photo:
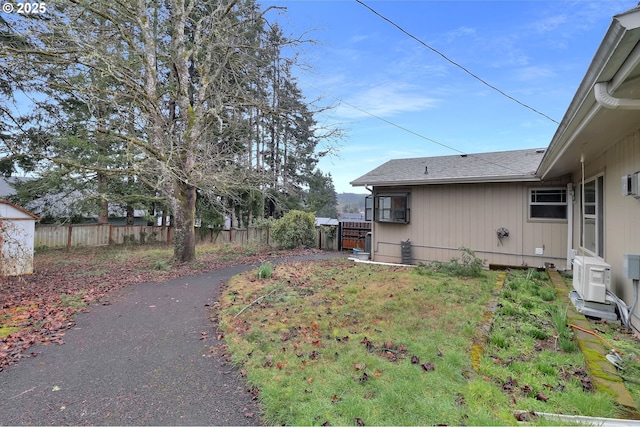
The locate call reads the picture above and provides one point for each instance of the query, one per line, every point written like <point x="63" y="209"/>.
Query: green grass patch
<point x="337" y="342"/>
<point x="5" y="331"/>
<point x="532" y="357"/>
<point x="73" y="300"/>
<point x="229" y="251"/>
<point x="333" y="342"/>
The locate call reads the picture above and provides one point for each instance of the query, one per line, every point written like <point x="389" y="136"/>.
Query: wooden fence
<point x="79" y="235"/>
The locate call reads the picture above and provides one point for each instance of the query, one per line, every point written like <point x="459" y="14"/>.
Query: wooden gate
<point x="353" y="234"/>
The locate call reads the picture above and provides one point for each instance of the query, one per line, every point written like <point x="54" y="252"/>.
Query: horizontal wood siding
<point x="447" y="217"/>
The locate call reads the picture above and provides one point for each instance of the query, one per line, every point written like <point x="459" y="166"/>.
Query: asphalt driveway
<point x="141" y="360"/>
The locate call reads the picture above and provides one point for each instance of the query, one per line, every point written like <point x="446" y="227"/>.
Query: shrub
<point x="295" y="229"/>
<point x="468" y="265"/>
<point x="265" y="270"/>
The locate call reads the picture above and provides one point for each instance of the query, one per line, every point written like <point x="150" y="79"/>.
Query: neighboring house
<point x="326" y="221"/>
<point x="17" y="230"/>
<point x="6" y="186"/>
<point x="64" y="206"/>
<point x="582" y="199"/>
<point x="351" y="216"/>
<point x="72" y="206"/>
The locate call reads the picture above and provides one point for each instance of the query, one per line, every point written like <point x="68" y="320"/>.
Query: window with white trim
<point x="368" y="208"/>
<point x="390" y="207"/>
<point x="592" y="224"/>
<point x="548" y="203"/>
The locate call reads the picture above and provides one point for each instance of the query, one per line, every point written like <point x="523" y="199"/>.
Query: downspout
<point x="373" y="223"/>
<point x="570" y="197"/>
<point x="601" y="92"/>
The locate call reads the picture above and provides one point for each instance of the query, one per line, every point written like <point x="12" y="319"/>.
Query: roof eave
<point x="21" y="209"/>
<point x="620" y="39"/>
<point x="470" y="180"/>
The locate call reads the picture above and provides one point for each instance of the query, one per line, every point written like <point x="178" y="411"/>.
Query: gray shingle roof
<point x="6" y="185"/>
<point x="503" y="166"/>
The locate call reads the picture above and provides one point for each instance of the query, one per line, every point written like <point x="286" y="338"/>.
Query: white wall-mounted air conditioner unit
<point x="591" y="278"/>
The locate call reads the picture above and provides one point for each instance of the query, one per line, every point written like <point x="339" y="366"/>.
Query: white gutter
<point x="601" y="92"/>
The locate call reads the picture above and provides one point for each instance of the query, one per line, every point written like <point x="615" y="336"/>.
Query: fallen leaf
<point x="55" y="388"/>
<point x="540" y="396"/>
<point x="525" y="416"/>
<point x="428" y="366"/>
<point x="415" y="360"/>
<point x="359" y="421"/>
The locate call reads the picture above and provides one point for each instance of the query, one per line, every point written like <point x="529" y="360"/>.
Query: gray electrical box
<point x="626" y="185"/>
<point x="631" y="185"/>
<point x="632" y="266"/>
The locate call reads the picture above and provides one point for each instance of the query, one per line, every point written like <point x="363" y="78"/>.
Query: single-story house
<point x="17" y="230"/>
<point x="579" y="196"/>
<point x="492" y="203"/>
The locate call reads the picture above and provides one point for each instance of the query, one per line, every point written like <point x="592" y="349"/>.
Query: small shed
<point x="17" y="230"/>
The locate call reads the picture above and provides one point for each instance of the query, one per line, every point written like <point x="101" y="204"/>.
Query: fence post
<point x="69" y="236"/>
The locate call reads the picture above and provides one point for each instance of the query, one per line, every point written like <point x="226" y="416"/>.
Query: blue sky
<point x="535" y="51"/>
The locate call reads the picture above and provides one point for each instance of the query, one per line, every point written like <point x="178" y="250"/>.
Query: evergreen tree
<point x="321" y="198"/>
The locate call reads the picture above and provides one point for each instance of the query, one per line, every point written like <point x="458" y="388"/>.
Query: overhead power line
<point x="389" y="122"/>
<point x="480" y="79"/>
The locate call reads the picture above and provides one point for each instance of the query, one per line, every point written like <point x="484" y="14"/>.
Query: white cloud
<point x="535" y="73"/>
<point x="358" y="38"/>
<point x="386" y="100"/>
<point x="461" y="32"/>
<point x="548" y="24"/>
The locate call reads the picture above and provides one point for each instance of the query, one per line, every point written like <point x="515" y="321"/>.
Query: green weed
<point x="72" y="300"/>
<point x="265" y="270"/>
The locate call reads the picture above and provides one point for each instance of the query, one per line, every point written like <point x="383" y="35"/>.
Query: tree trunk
<point x="130" y="215"/>
<point x="103" y="216"/>
<point x="184" y="244"/>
